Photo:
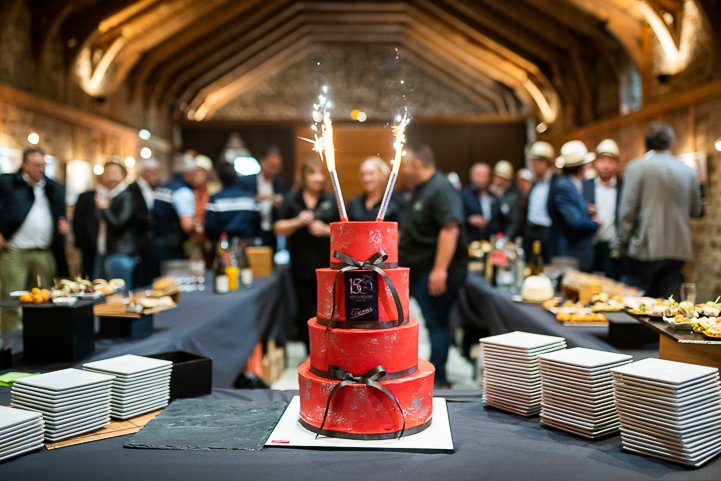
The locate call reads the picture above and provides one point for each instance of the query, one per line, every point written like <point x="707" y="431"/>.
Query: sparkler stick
<point x="325" y="146"/>
<point x="399" y="132"/>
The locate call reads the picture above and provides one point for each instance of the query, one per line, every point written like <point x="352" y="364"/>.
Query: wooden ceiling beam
<point x="175" y="78"/>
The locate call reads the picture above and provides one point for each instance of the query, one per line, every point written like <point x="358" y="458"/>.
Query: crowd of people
<point x="635" y="229"/>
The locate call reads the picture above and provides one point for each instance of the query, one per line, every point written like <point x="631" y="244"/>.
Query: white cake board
<point x="289" y="433"/>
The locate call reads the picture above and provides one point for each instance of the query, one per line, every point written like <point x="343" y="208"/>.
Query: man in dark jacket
<point x="269" y="188"/>
<point x="143" y="192"/>
<point x="573" y="228"/>
<point x="603" y="196"/>
<point x="32" y="231"/>
<point x="480" y="206"/>
<point x="232" y="210"/>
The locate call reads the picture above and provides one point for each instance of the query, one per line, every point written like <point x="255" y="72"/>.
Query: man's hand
<point x="592" y="210"/>
<point x="277" y="201"/>
<point x="319" y="229"/>
<point x="63" y="227"/>
<point x="264" y="196"/>
<point x="437" y="282"/>
<point x="3" y="243"/>
<point x="477" y="221"/>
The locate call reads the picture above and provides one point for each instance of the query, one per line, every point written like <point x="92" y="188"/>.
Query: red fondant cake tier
<point x="358" y="350"/>
<point x="361" y="240"/>
<point x="386" y="305"/>
<point x="357" y="409"/>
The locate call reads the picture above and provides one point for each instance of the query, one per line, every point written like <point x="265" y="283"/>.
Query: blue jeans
<point x="436" y="312"/>
<point x="116" y="266"/>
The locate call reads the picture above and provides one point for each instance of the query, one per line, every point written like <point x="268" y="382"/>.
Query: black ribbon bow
<point x="370" y="378"/>
<point x="373" y="263"/>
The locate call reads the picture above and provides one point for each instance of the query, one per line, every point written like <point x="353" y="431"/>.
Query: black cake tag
<point x="361" y="296"/>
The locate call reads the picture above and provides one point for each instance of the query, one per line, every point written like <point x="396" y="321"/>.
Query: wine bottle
<point x="220" y="281"/>
<point x="536" y="259"/>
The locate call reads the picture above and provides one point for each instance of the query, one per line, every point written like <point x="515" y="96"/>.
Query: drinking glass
<point x="688" y="292"/>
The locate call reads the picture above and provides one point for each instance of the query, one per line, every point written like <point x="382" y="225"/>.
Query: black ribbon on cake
<point x="371" y="379"/>
<point x="376" y="264"/>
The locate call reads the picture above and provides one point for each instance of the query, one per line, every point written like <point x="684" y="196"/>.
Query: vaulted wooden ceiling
<point x="194" y="56"/>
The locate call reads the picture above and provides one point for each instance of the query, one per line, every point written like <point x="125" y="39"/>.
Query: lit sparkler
<point x="325" y="146"/>
<point x="399" y="141"/>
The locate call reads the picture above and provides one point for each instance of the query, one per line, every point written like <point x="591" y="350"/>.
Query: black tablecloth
<point x="225" y="327"/>
<point x="492" y="311"/>
<point x="489" y="444"/>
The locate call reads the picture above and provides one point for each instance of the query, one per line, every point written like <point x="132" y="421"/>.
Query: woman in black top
<point x="374" y="174"/>
<point x="305" y="219"/>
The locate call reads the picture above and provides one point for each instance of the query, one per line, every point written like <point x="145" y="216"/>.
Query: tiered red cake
<point x="358" y="333"/>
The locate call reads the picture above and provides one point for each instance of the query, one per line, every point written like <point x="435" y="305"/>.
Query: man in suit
<point x="603" y="196"/>
<point x="659" y="196"/>
<point x="503" y="188"/>
<point x="480" y="206"/>
<point x="573" y="228"/>
<point x="538" y="222"/>
<point x="269" y="188"/>
<point x="143" y="192"/>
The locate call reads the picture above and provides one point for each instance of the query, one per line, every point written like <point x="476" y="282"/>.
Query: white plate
<point x="64" y="405"/>
<point x="579" y="424"/>
<point x="129" y="365"/>
<point x="138" y="403"/>
<point x="604" y="416"/>
<point x="64" y="426"/>
<point x="576" y="388"/>
<point x="64" y="380"/>
<point x="670" y="404"/>
<point x="664" y="451"/>
<point x="697" y="444"/>
<point x="145" y="381"/>
<point x="26" y="426"/>
<point x="131" y="414"/>
<point x="118" y="399"/>
<point x="702" y="436"/>
<point x="523" y="340"/>
<point x="666" y="372"/>
<point x="577" y="431"/>
<point x="84" y="391"/>
<point x="17" y="294"/>
<point x="59" y="436"/>
<point x="10" y="417"/>
<point x="21" y="450"/>
<point x="663" y="393"/>
<point x="64" y="301"/>
<point x="586" y="358"/>
<point x="663" y="412"/>
<point x="683" y="426"/>
<point x="119" y="391"/>
<point x="522" y="354"/>
<point x="21" y="437"/>
<point x="695" y="463"/>
<point x="45" y="397"/>
<point x="64" y="411"/>
<point x="520" y="397"/>
<point x="515" y="409"/>
<point x="679" y="326"/>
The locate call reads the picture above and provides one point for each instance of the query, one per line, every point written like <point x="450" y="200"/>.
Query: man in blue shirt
<point x="538" y="221"/>
<point x="233" y="210"/>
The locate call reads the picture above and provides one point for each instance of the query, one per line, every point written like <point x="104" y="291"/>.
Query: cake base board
<point x="289" y="433"/>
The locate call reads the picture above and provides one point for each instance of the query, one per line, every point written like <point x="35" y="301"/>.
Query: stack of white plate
<point x="72" y="401"/>
<point x="669" y="410"/>
<point x="511" y="377"/>
<point x="141" y="385"/>
<point x="21" y="431"/>
<point x="577" y="392"/>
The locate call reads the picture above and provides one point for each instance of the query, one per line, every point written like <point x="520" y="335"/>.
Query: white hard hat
<point x="542" y="150"/>
<point x="608" y="147"/>
<point x="574" y="153"/>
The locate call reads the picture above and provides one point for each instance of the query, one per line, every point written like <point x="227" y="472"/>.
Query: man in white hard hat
<point x="573" y="227"/>
<point x="603" y="196"/>
<point x="538" y="222"/>
<point x="203" y="168"/>
<point x="503" y="188"/>
<point x="659" y="196"/>
<point x="480" y="206"/>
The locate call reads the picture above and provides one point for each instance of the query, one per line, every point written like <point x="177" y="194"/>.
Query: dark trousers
<point x="661" y="278"/>
<point x="306" y="293"/>
<point x="603" y="262"/>
<point x="537" y="233"/>
<point x="436" y="312"/>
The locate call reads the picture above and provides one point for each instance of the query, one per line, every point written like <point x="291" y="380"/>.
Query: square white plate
<point x="523" y="340"/>
<point x="163" y="380"/>
<point x="64" y="380"/>
<point x="10" y="417"/>
<point x="26" y="426"/>
<point x="143" y="376"/>
<point x="576" y="431"/>
<point x="489" y="351"/>
<point x="689" y="446"/>
<point x="59" y="401"/>
<point x="129" y="364"/>
<point x="21" y="450"/>
<point x="695" y="463"/>
<point x="37" y="403"/>
<point x="689" y="402"/>
<point x="122" y="415"/>
<point x="19" y="438"/>
<point x="137" y="395"/>
<point x="54" y="437"/>
<point x="708" y="383"/>
<point x="670" y="422"/>
<point x="140" y="404"/>
<point x="90" y="420"/>
<point x="666" y="372"/>
<point x="653" y="392"/>
<point x="586" y="358"/>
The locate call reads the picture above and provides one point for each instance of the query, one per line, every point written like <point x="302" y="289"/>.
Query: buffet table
<point x="225" y="328"/>
<point x="489" y="444"/>
<point x="492" y="311"/>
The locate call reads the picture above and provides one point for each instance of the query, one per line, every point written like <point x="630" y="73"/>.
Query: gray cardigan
<point x="660" y="194"/>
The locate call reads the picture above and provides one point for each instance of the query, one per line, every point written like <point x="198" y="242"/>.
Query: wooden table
<point x="684" y="346"/>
